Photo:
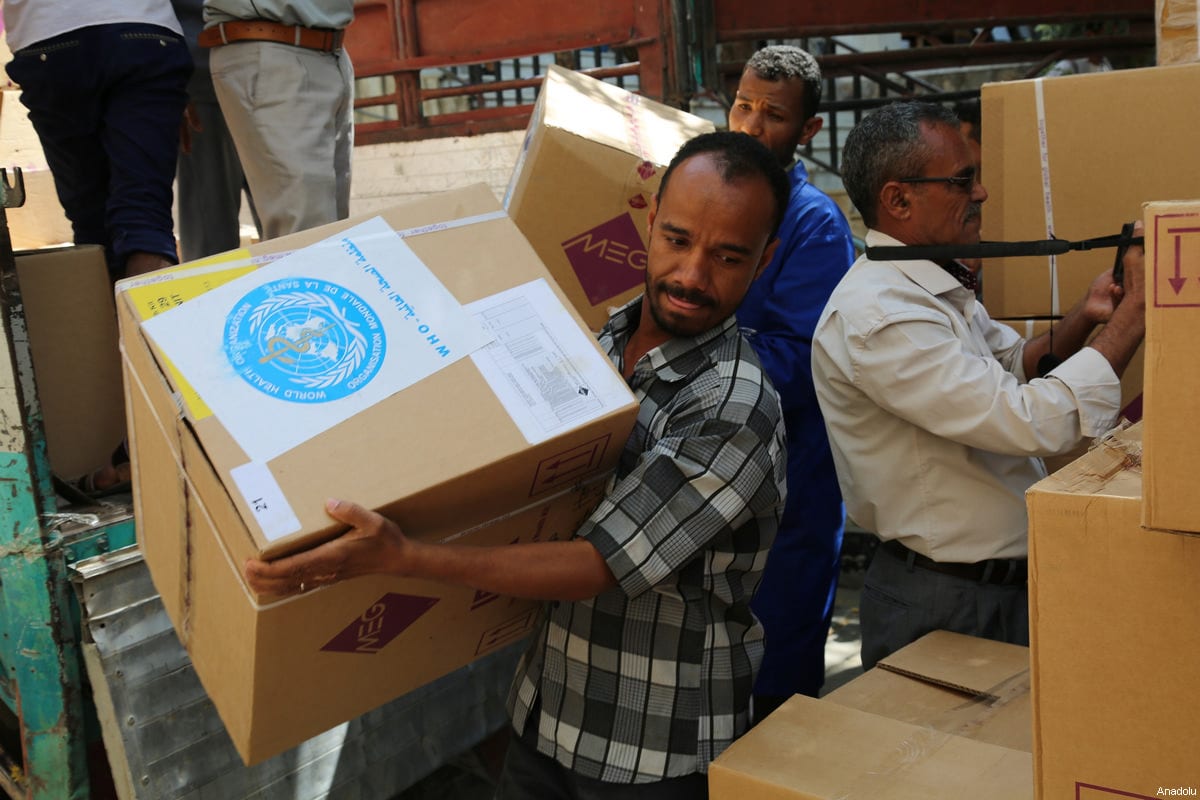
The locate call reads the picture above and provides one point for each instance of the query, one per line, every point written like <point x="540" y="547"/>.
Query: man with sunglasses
<point x="936" y="416"/>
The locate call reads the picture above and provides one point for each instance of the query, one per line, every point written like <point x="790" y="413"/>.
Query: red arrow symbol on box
<point x="1178" y="281"/>
<point x="553" y="468"/>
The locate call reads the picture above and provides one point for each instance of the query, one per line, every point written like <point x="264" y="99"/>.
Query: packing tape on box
<point x="461" y="222"/>
<point x="1177" y="31"/>
<point x="1047" y="196"/>
<point x="633" y="124"/>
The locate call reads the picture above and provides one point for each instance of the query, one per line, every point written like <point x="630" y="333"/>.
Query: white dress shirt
<point x="936" y="432"/>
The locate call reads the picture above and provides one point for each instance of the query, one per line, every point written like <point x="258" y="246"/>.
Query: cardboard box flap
<point x="1004" y="721"/>
<point x="816" y="750"/>
<point x="615" y="117"/>
<point x="964" y="663"/>
<point x="77" y="365"/>
<point x="1112" y="467"/>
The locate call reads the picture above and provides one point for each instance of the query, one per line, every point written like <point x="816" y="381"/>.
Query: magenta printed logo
<point x="608" y="259"/>
<point x="383" y="621"/>
<point x="646" y="170"/>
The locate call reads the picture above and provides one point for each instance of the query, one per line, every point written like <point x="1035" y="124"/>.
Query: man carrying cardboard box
<point x="776" y="103"/>
<point x="936" y="421"/>
<point x="641" y="670"/>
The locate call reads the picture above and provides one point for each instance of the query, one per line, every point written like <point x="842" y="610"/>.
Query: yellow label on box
<point x="191" y="280"/>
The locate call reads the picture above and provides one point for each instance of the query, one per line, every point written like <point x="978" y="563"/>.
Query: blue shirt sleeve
<point x="782" y="308"/>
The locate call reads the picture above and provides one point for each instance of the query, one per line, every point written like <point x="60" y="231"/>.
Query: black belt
<point x="998" y="571"/>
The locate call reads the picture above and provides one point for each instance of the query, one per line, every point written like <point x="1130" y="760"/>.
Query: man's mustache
<point x="694" y="296"/>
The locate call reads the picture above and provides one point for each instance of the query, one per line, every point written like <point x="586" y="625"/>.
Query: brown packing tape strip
<point x="131" y="374"/>
<point x="634" y="125"/>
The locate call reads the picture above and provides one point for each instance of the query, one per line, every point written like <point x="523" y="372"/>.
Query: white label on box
<point x="261" y="492"/>
<point x="303" y="343"/>
<point x="543" y="367"/>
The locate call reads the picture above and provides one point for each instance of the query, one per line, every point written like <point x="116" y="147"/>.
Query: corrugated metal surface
<point x="167" y="741"/>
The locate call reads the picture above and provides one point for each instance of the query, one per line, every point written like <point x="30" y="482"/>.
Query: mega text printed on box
<point x="304" y="343"/>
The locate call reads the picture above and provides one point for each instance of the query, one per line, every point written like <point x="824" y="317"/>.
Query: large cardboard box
<point x="1176" y="23"/>
<point x="41" y="221"/>
<point x="589" y="166"/>
<point x="67" y="296"/>
<point x="1078" y="155"/>
<point x="946" y="717"/>
<point x="1114" y="611"/>
<point x="1172" y="379"/>
<point x="445" y="457"/>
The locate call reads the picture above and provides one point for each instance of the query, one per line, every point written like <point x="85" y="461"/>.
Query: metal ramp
<point x="165" y="740"/>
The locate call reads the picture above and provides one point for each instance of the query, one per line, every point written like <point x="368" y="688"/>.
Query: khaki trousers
<point x="290" y="112"/>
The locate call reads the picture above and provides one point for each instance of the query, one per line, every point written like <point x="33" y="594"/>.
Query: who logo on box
<point x="304" y="340"/>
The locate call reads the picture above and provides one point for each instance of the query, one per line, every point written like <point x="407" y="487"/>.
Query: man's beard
<point x="654" y="292"/>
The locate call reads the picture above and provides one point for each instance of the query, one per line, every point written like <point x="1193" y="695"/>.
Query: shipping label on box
<point x="581" y="188"/>
<point x="1059" y="162"/>
<point x="1114" y="609"/>
<point x="1172" y="381"/>
<point x="516" y="450"/>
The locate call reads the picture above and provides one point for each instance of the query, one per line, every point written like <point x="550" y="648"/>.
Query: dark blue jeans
<point x="106" y="102"/>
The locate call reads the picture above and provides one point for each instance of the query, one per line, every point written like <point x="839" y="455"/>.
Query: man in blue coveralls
<point x="776" y="103"/>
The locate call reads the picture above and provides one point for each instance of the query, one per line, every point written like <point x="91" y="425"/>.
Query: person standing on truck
<point x="776" y="103"/>
<point x="286" y="88"/>
<point x="640" y="672"/>
<point x="210" y="174"/>
<point x="105" y="83"/>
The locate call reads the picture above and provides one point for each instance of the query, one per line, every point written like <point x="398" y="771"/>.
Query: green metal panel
<point x="40" y="643"/>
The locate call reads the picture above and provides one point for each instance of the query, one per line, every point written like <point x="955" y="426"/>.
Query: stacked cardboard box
<point x="448" y="457"/>
<point x="76" y="364"/>
<point x="581" y="189"/>
<point x="1172" y="380"/>
<point x="1114" y="610"/>
<point x="1077" y="156"/>
<point x="945" y="717"/>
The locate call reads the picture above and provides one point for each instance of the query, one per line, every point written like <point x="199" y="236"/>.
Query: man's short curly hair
<point x="785" y="62"/>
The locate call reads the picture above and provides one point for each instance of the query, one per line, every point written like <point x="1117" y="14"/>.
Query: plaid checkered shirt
<point x="652" y="678"/>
